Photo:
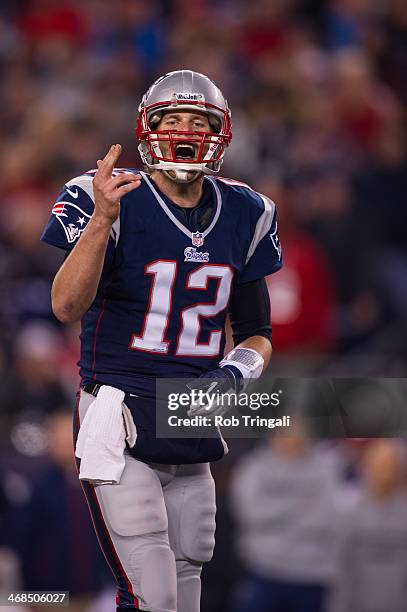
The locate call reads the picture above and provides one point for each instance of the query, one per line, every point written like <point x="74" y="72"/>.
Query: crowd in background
<point x="317" y="90"/>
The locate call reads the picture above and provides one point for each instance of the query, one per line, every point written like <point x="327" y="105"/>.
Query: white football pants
<point x="156" y="529"/>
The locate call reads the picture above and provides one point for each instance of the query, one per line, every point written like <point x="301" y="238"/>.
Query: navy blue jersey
<point x="163" y="296"/>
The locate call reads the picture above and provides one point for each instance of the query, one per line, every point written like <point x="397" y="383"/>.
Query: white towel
<point x="102" y="437"/>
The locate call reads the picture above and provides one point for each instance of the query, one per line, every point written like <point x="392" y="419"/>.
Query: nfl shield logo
<point x="197" y="239"/>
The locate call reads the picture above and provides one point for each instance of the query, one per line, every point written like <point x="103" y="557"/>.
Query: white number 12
<point x="157" y="317"/>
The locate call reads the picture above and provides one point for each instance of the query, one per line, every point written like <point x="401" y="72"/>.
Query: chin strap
<point x="181" y="176"/>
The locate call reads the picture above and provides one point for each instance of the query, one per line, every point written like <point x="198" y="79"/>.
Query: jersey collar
<point x="181" y="226"/>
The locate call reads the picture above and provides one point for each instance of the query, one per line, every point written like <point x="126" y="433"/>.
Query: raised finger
<point x="107" y="164"/>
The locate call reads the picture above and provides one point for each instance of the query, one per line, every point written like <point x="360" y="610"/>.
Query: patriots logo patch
<point x="72" y="218"/>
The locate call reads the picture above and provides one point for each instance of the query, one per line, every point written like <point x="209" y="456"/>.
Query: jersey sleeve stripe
<point x="115" y="231"/>
<point x="263" y="225"/>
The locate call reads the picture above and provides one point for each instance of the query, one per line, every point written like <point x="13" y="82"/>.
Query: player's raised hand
<point x="109" y="189"/>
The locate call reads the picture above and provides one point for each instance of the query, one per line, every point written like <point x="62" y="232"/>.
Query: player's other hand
<point x="207" y="390"/>
<point x="109" y="189"/>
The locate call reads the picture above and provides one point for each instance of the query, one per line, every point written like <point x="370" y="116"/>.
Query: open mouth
<point x="184" y="151"/>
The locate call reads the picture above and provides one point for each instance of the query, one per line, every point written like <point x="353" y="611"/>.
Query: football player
<point x="156" y="258"/>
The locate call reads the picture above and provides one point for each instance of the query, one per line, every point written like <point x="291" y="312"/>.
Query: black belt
<point x="92" y="388"/>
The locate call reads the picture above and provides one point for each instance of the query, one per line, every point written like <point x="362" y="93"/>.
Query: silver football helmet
<point x="189" y="153"/>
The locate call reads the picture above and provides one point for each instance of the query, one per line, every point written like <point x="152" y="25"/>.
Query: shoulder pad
<point x="245" y="194"/>
<point x="234" y="183"/>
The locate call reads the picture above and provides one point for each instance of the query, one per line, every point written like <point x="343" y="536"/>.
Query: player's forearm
<point x="260" y="344"/>
<point x="75" y="285"/>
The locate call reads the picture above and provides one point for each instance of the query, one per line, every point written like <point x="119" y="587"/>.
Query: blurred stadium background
<point x="317" y="90"/>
